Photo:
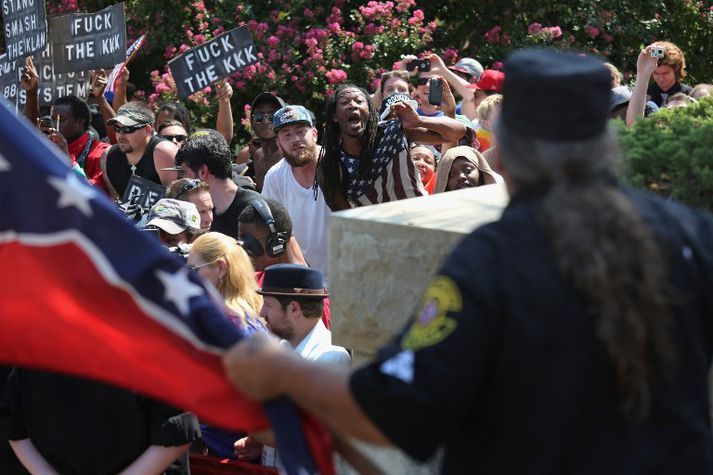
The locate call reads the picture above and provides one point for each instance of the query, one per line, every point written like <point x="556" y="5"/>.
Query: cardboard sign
<point x="25" y="27"/>
<point x="214" y="60"/>
<point x="84" y="41"/>
<point x="143" y="192"/>
<point x="52" y="85"/>
<point x="10" y="88"/>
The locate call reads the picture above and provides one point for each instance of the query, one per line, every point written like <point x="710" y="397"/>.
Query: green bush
<point x="671" y="153"/>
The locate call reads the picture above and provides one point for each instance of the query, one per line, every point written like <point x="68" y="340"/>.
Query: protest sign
<point x="53" y="85"/>
<point x="10" y="88"/>
<point x="143" y="192"/>
<point x="214" y="60"/>
<point x="83" y="41"/>
<point x="25" y="27"/>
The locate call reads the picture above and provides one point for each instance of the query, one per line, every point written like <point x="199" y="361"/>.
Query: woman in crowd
<point x="463" y="167"/>
<point x="220" y="259"/>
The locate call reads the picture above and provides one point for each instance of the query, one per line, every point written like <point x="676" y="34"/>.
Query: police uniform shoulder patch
<point x="432" y="324"/>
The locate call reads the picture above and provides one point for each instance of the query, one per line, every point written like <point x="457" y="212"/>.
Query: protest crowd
<point x="252" y="223"/>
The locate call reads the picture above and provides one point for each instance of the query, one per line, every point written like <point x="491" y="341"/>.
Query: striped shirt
<point x="393" y="174"/>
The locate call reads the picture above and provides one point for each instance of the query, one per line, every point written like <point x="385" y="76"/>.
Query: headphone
<point x="276" y="244"/>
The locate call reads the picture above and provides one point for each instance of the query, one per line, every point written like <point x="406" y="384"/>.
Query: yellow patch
<point x="432" y="325"/>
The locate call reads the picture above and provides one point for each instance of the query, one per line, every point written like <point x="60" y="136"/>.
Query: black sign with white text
<point x="84" y="41"/>
<point x="143" y="192"/>
<point x="25" y="27"/>
<point x="54" y="86"/>
<point x="10" y="88"/>
<point x="214" y="60"/>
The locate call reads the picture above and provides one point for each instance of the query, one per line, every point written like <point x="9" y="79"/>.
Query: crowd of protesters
<point x="254" y="224"/>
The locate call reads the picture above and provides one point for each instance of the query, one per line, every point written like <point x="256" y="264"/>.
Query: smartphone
<point x="435" y="91"/>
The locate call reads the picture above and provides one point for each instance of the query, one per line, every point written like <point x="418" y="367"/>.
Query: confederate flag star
<point x="178" y="289"/>
<point x="73" y="193"/>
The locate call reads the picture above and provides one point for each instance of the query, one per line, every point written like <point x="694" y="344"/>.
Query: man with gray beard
<point x="290" y="181"/>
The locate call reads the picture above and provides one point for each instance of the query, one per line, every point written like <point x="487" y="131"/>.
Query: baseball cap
<point x="468" y="66"/>
<point x="490" y="80"/>
<point x="620" y="95"/>
<point x="289" y="115"/>
<point x="393" y="99"/>
<point x="131" y="114"/>
<point x="266" y="97"/>
<point x="174" y="216"/>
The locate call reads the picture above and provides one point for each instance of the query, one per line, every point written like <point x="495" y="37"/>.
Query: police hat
<point x="555" y="95"/>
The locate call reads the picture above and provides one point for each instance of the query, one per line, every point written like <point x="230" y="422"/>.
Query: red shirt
<point x="92" y="165"/>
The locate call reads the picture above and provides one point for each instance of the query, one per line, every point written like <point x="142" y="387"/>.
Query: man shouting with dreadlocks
<point x="364" y="161"/>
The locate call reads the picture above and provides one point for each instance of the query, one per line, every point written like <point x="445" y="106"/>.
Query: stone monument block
<point x="382" y="257"/>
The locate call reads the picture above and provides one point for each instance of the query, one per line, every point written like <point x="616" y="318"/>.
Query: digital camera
<point x="657" y="52"/>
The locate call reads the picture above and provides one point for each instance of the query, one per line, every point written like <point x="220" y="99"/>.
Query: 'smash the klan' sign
<point x="212" y="61"/>
<point x="54" y="85"/>
<point x="84" y="41"/>
<point x="25" y="27"/>
<point x="10" y="88"/>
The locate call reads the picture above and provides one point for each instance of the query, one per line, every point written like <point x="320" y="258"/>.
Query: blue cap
<point x="289" y="115"/>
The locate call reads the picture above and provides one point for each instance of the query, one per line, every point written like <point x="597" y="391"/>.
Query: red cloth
<point x="431" y="185"/>
<point x="326" y="316"/>
<point x="92" y="166"/>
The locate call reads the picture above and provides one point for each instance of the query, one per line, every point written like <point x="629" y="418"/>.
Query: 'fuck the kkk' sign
<point x="214" y="60"/>
<point x="25" y="27"/>
<point x="83" y="41"/>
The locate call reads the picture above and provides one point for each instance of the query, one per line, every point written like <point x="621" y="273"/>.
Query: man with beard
<point x="364" y="162"/>
<point x="137" y="151"/>
<point x="291" y="180"/>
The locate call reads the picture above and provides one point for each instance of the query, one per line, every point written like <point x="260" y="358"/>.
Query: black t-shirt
<point x="119" y="171"/>
<point x="82" y="427"/>
<point x="503" y="368"/>
<point x="227" y="223"/>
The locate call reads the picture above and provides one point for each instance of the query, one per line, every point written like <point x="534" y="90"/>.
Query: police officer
<point x="572" y="336"/>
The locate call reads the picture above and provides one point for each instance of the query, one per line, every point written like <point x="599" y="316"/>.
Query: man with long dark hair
<point x="574" y="335"/>
<point x="366" y="162"/>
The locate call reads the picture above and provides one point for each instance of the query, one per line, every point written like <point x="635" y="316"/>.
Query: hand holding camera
<point x="647" y="62"/>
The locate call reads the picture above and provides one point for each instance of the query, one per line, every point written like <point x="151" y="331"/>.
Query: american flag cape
<point x="83" y="292"/>
<point x="111" y="79"/>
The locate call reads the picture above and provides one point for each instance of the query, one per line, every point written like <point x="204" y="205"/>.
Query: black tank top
<point x="118" y="169"/>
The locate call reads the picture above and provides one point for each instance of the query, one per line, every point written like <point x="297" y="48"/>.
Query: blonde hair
<point x="238" y="287"/>
<point x="487" y="106"/>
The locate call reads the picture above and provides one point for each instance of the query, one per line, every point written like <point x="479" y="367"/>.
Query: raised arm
<point x="120" y="89"/>
<point x="428" y="130"/>
<point x="31" y="458"/>
<point x="320" y="388"/>
<point x="30" y="81"/>
<point x="224" y="122"/>
<point x="98" y="80"/>
<point x="645" y="66"/>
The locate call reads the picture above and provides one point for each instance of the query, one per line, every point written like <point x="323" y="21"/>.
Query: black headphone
<point x="276" y="244"/>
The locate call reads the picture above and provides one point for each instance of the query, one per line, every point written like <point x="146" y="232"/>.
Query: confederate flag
<point x="83" y="292"/>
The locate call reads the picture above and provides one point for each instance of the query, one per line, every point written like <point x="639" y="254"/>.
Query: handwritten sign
<point x="25" y="27"/>
<point x="214" y="60"/>
<point x="84" y="41"/>
<point x="143" y="192"/>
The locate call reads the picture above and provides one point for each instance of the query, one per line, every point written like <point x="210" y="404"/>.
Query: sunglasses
<point x="180" y="138"/>
<point x="188" y="186"/>
<point x="195" y="268"/>
<point x="128" y="129"/>
<point x="251" y="245"/>
<point x="422" y="81"/>
<point x="258" y="117"/>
